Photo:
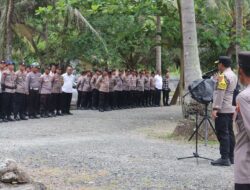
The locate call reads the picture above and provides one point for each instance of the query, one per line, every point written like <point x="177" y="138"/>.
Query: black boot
<point x="23" y="117"/>
<point x="16" y="118"/>
<point x="231" y="160"/>
<point x="10" y="119"/>
<point x="221" y="162"/>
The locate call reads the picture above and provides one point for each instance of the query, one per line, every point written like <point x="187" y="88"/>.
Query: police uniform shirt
<point x="146" y="83"/>
<point x="86" y="87"/>
<point x="133" y="80"/>
<point x="33" y="81"/>
<point x="118" y="83"/>
<point x="9" y="81"/>
<point x="20" y="81"/>
<point x="242" y="147"/>
<point x="79" y="83"/>
<point x="223" y="95"/>
<point x="46" y="84"/>
<point x="140" y="84"/>
<point x="57" y="83"/>
<point x="103" y="83"/>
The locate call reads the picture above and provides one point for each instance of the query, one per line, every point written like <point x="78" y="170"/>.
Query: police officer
<point x="45" y="93"/>
<point x="146" y="95"/>
<point x="8" y="83"/>
<point x="79" y="90"/>
<point x="32" y="88"/>
<point x="20" y="95"/>
<point x="140" y="89"/>
<point x="118" y="90"/>
<point x="132" y="88"/>
<point x="2" y="66"/>
<point x="111" y="95"/>
<point x="56" y="92"/>
<point x="86" y="90"/>
<point x="95" y="91"/>
<point x="103" y="83"/>
<point x="242" y="147"/>
<point x="126" y="91"/>
<point x="223" y="111"/>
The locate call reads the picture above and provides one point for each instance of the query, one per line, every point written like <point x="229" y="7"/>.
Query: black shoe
<point x="69" y="113"/>
<point x="10" y="119"/>
<point x="221" y="162"/>
<point x="16" y="118"/>
<point x="23" y="117"/>
<point x="5" y="120"/>
<point x="101" y="110"/>
<point x="36" y="117"/>
<point x="58" y="113"/>
<point x="94" y="108"/>
<point x="231" y="160"/>
<point x="31" y="117"/>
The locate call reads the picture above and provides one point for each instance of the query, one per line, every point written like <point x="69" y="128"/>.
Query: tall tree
<point x="192" y="70"/>
<point x="239" y="25"/>
<point x="9" y="30"/>
<point x="158" y="41"/>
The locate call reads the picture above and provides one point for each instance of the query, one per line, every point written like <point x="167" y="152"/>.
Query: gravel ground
<point x="125" y="149"/>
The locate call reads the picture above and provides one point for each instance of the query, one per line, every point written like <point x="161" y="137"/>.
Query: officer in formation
<point x="27" y="94"/>
<point x="223" y="111"/>
<point x="242" y="147"/>
<point x="112" y="90"/>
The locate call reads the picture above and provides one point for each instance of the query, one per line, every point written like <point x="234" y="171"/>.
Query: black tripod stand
<point x="206" y="118"/>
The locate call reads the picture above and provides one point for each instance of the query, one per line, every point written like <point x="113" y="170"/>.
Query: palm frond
<point x="81" y="20"/>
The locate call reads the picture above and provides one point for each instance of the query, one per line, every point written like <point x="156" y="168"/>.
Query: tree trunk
<point x="158" y="41"/>
<point x="192" y="70"/>
<point x="239" y="25"/>
<point x="9" y="31"/>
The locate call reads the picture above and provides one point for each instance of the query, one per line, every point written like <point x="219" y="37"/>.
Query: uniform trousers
<point x="66" y="101"/>
<point x="86" y="97"/>
<point x="125" y="99"/>
<point x="103" y="101"/>
<point x="95" y="98"/>
<point x="225" y="134"/>
<point x="33" y="102"/>
<point x="79" y="98"/>
<point x="20" y="104"/>
<point x="111" y="100"/>
<point x="242" y="187"/>
<point x="146" y="97"/>
<point x="118" y="99"/>
<point x="44" y="103"/>
<point x="152" y="98"/>
<point x="1" y="105"/>
<point x="55" y="102"/>
<point x="8" y="103"/>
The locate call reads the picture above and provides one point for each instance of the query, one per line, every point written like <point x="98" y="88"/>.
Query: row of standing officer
<point x="111" y="90"/>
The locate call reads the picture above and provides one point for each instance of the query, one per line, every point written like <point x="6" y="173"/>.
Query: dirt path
<point x="125" y="149"/>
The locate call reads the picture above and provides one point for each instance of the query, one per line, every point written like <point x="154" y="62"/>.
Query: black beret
<point x="225" y="60"/>
<point x="3" y="62"/>
<point x="244" y="59"/>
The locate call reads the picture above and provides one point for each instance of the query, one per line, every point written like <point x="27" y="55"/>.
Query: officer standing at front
<point x="32" y="86"/>
<point x="242" y="147"/>
<point x="223" y="111"/>
<point x="8" y="82"/>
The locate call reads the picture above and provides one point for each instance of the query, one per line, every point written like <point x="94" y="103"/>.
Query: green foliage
<point x="122" y="33"/>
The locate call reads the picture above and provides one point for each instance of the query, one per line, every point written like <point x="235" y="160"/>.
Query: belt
<point x="34" y="88"/>
<point x="9" y="87"/>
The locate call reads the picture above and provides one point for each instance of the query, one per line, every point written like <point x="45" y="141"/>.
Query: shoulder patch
<point x="222" y="84"/>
